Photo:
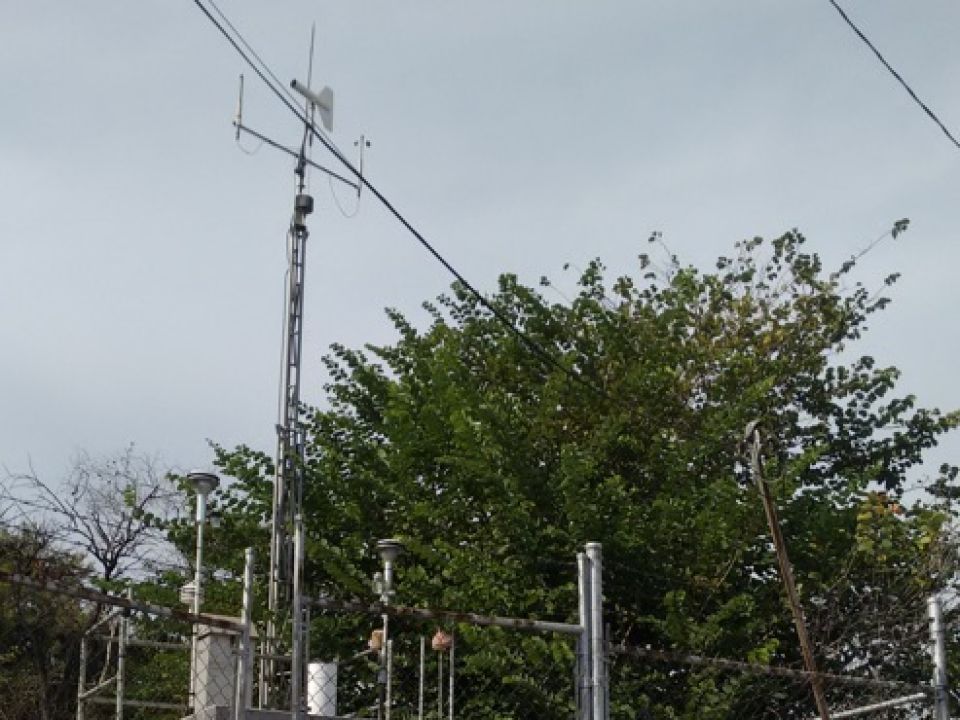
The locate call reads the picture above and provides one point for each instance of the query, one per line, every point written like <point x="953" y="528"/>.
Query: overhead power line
<point x="893" y="72"/>
<point x="263" y="71"/>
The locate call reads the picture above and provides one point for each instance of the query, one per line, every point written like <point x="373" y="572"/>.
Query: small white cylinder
<point x="322" y="689"/>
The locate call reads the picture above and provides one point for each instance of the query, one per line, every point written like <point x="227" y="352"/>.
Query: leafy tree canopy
<point x="495" y="467"/>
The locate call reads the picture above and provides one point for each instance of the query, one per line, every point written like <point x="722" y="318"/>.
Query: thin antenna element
<point x="307" y="135"/>
<point x="313" y="35"/>
<point x="361" y="143"/>
<point x="238" y="121"/>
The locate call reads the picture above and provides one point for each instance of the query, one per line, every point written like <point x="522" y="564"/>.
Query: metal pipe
<point x="109" y="617"/>
<point x="244" y="690"/>
<point x="122" y="659"/>
<point x="439" y="684"/>
<point x="382" y="669"/>
<point x="296" y="663"/>
<point x="597" y="650"/>
<point x="941" y="702"/>
<point x="82" y="678"/>
<point x="265" y="665"/>
<point x="423" y="668"/>
<point x="268" y="645"/>
<point x="294" y="153"/>
<point x="389" y="702"/>
<point x="156" y="644"/>
<point x="325" y="603"/>
<point x="867" y="709"/>
<point x="197" y="592"/>
<point x="97" y="688"/>
<point x="278" y="658"/>
<point x="453" y="644"/>
<point x="306" y="641"/>
<point x="141" y="704"/>
<point x="82" y="593"/>
<point x="584" y="663"/>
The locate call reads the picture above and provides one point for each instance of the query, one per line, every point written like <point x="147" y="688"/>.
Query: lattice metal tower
<point x="288" y="484"/>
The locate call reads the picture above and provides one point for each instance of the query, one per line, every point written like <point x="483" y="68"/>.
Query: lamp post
<point x="203" y="484"/>
<point x="388" y="550"/>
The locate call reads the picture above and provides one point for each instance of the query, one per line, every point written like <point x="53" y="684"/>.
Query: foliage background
<point x="495" y="450"/>
<point x="617" y="417"/>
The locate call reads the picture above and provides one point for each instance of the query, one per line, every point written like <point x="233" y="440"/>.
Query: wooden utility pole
<point x="752" y="438"/>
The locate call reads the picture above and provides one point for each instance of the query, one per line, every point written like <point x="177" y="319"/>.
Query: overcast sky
<point x="142" y="253"/>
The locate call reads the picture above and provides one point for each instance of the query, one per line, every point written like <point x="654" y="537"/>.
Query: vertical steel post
<point x="941" y="707"/>
<point x="244" y="689"/>
<point x="584" y="663"/>
<point x="306" y="647"/>
<point x="389" y="700"/>
<point x="440" y="684"/>
<point x="382" y="669"/>
<point x="296" y="661"/>
<point x="423" y="669"/>
<point x="201" y="520"/>
<point x="122" y="657"/>
<point x="389" y="550"/>
<point x="306" y="650"/>
<point x="82" y="678"/>
<point x="597" y="650"/>
<point x="453" y="645"/>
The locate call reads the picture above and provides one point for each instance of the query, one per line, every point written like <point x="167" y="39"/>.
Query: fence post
<point x="244" y="688"/>
<point x="941" y="708"/>
<point x="597" y="649"/>
<point x="122" y="656"/>
<point x="423" y="669"/>
<point x="389" y="696"/>
<point x="440" y="684"/>
<point x="584" y="662"/>
<point x="297" y="664"/>
<point x="82" y="678"/>
<point x="453" y="646"/>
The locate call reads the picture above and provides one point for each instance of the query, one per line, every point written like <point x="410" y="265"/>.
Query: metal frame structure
<point x="591" y="687"/>
<point x="592" y="681"/>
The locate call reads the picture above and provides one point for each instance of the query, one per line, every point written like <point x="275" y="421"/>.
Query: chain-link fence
<point x="134" y="665"/>
<point x="128" y="659"/>
<point x="416" y="664"/>
<point x="137" y="660"/>
<point x="648" y="684"/>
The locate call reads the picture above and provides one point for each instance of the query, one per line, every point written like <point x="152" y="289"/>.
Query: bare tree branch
<point x="109" y="507"/>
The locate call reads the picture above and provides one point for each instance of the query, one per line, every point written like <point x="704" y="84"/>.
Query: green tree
<point x="104" y="524"/>
<point x="39" y="633"/>
<point x="495" y="466"/>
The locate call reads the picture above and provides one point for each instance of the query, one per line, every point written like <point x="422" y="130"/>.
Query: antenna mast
<point x="286" y="527"/>
<point x="288" y="483"/>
